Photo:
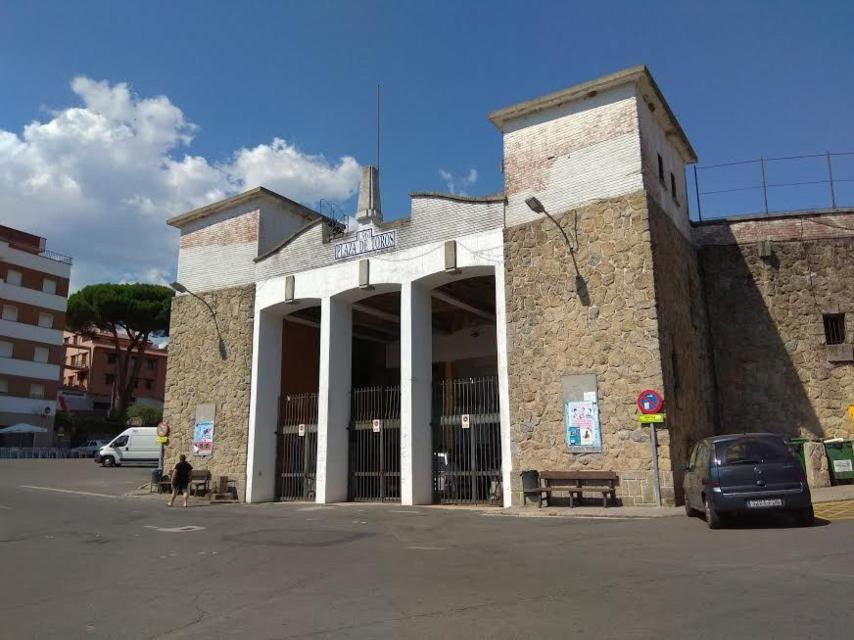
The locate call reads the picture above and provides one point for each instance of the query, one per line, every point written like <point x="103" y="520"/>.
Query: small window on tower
<point x="660" y="168"/>
<point x="834" y="328"/>
<point x="673" y="187"/>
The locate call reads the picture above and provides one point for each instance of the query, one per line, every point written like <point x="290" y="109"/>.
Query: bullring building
<point x="432" y="358"/>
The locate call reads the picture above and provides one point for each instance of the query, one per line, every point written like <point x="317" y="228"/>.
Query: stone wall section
<point x="552" y="331"/>
<point x="196" y="374"/>
<point x="683" y="338"/>
<point x="771" y="357"/>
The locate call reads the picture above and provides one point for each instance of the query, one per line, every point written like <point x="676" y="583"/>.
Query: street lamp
<point x="180" y="288"/>
<point x="536" y="206"/>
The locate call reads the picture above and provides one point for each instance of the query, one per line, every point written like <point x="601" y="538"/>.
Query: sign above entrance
<point x="650" y="401"/>
<point x="366" y="241"/>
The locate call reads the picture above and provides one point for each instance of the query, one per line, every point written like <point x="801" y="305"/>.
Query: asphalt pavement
<point x="81" y="560"/>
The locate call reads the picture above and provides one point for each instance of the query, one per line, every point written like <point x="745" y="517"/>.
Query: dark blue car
<point x="745" y="473"/>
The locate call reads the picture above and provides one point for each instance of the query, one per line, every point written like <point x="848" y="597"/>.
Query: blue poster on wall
<point x="581" y="420"/>
<point x="203" y="438"/>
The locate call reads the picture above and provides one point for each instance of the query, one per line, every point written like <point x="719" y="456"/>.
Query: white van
<point x="137" y="444"/>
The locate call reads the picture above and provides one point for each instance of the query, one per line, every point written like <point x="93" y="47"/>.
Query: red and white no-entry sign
<point x="650" y="401"/>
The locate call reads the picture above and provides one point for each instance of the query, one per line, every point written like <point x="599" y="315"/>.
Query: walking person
<point x="181" y="480"/>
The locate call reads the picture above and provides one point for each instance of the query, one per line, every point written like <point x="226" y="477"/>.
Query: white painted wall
<point x="432" y="219"/>
<point x="333" y="399"/>
<point x="654" y="141"/>
<point x="29" y="369"/>
<point x="572" y="154"/>
<point x="33" y="261"/>
<point x="416" y="329"/>
<point x="415" y="271"/>
<point x="263" y="407"/>
<point x="219" y="250"/>
<point x="29" y="332"/>
<point x="34" y="297"/>
<point x="30" y="406"/>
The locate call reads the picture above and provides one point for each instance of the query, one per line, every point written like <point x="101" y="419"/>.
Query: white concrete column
<point x="333" y="401"/>
<point x="264" y="407"/>
<point x="503" y="383"/>
<point x="416" y="354"/>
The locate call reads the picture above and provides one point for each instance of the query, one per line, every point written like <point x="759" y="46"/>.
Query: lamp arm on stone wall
<point x="223" y="352"/>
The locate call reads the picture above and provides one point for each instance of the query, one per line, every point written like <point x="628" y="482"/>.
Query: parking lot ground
<point x="94" y="564"/>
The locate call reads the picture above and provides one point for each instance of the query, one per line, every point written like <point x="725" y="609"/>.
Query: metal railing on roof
<point x="773" y="185"/>
<point x="44" y="253"/>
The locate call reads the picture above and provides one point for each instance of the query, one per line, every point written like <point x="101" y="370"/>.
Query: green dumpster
<point x="840" y="458"/>
<point x="798" y="445"/>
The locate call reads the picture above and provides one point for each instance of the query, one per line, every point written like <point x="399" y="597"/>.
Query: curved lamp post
<point x="180" y="288"/>
<point x="536" y="206"/>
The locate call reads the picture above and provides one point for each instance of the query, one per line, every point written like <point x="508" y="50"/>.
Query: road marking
<point x="426" y="548"/>
<point x="185" y="529"/>
<point x="77" y="493"/>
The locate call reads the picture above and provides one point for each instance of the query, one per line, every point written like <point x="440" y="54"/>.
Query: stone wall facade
<point x="196" y="374"/>
<point x="767" y="283"/>
<point x="608" y="326"/>
<point x="683" y="339"/>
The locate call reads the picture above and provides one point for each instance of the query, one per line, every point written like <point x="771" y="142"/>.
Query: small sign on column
<point x="376" y="425"/>
<point x="301" y="430"/>
<point x="466" y="420"/>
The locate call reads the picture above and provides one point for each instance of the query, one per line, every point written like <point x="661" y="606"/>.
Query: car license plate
<point x="765" y="504"/>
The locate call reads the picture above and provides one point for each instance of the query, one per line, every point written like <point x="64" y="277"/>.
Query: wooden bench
<point x="200" y="479"/>
<point x="577" y="483"/>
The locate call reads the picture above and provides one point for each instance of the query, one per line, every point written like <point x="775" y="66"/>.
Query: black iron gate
<point x="466" y="441"/>
<point x="296" y="450"/>
<point x="375" y="445"/>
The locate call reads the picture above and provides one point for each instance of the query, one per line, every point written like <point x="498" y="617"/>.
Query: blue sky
<point x="745" y="79"/>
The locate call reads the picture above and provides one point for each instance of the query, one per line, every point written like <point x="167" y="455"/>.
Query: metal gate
<point x="466" y="441"/>
<point x="296" y="450"/>
<point x="375" y="445"/>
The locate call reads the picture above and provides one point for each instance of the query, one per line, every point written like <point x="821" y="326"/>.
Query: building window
<point x="150" y="363"/>
<point x="41" y="354"/>
<point x="49" y="286"/>
<point x="6" y="349"/>
<point x="834" y="328"/>
<point x="13" y="277"/>
<point x="109" y="378"/>
<point x="149" y="384"/>
<point x="37" y="390"/>
<point x="10" y="313"/>
<point x="46" y="320"/>
<point x="673" y="187"/>
<point x="660" y="168"/>
<point x="4" y="386"/>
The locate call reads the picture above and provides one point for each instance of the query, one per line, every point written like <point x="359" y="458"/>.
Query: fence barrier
<point x="774" y="184"/>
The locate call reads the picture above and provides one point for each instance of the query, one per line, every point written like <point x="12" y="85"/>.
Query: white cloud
<point x="98" y="180"/>
<point x="458" y="184"/>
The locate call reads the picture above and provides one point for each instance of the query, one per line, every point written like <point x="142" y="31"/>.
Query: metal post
<point x="654" y="444"/>
<point x="764" y="187"/>
<point x="830" y="174"/>
<point x="697" y="193"/>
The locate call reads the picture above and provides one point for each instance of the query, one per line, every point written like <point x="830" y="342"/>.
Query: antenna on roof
<point x="379" y="97"/>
